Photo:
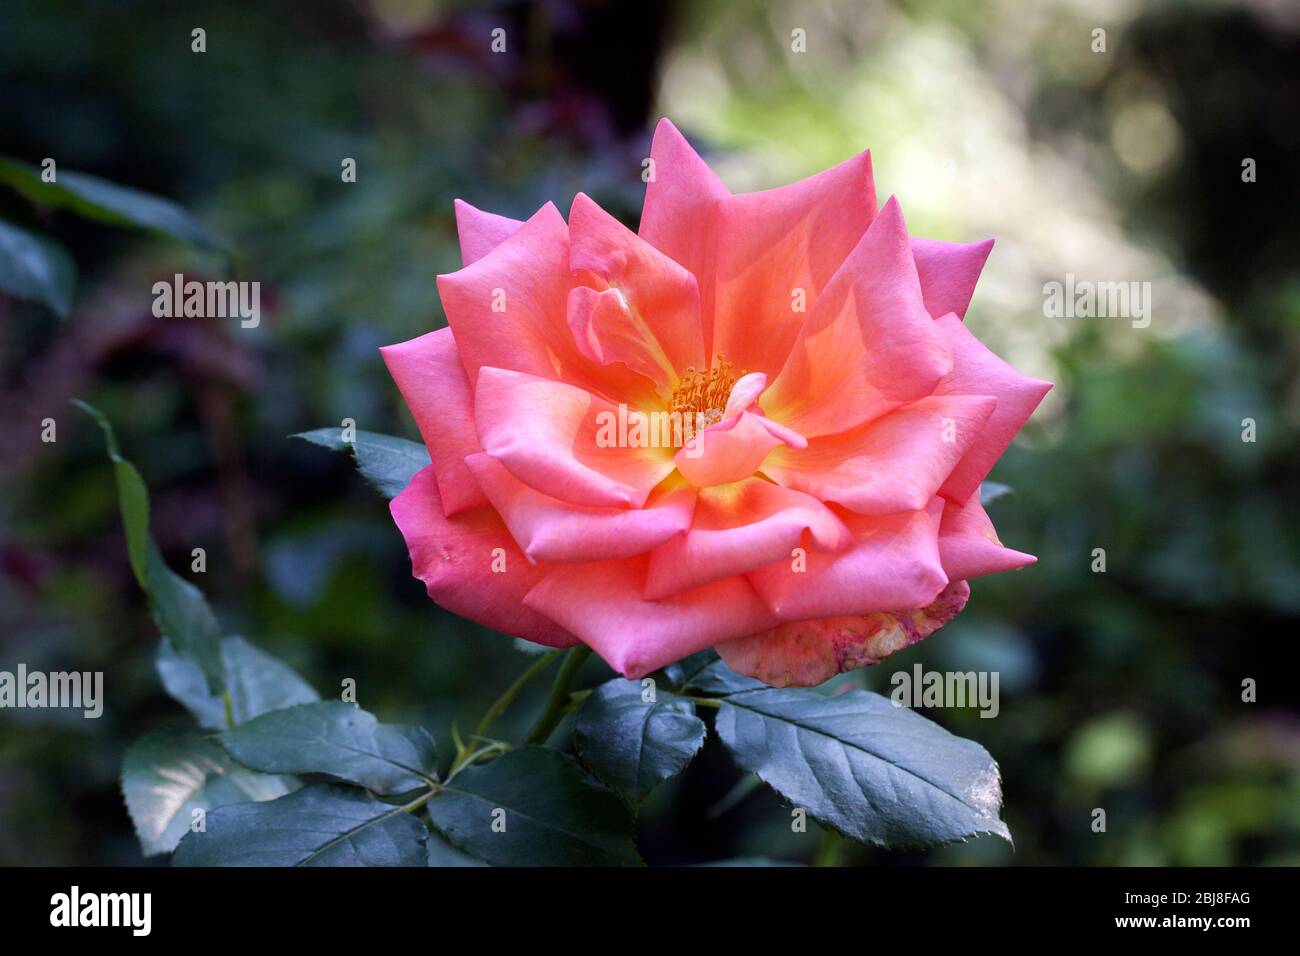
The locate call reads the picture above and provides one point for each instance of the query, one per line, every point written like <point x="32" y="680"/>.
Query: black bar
<point x="977" y="906"/>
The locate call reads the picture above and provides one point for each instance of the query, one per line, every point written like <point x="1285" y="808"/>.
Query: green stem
<point x="500" y="705"/>
<point x="830" y="849"/>
<point x="575" y="700"/>
<point x="421" y="800"/>
<point x="229" y="708"/>
<point x="508" y="696"/>
<point x="554" y="711"/>
<point x="495" y="748"/>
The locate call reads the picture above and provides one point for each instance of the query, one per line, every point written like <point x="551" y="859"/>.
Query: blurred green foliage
<point x="1119" y="690"/>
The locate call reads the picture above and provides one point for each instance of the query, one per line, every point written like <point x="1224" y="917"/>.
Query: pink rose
<point x="758" y="424"/>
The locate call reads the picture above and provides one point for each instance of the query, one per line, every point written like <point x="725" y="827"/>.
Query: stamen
<point x="705" y="393"/>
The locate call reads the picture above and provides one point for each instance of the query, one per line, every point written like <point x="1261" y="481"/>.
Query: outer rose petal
<point x="454" y="558"/>
<point x="807" y="653"/>
<point x="661" y="314"/>
<point x="895" y="463"/>
<point x="948" y="272"/>
<point x="977" y="371"/>
<point x="602" y="604"/>
<point x="969" y="546"/>
<point x="548" y="529"/>
<point x="774" y="242"/>
<point x="430" y="377"/>
<point x="868" y="345"/>
<point x="480" y="232"/>
<point x="526" y="275"/>
<point x="679" y="217"/>
<point x="738" y="528"/>
<point x="547" y="434"/>
<point x="893" y="564"/>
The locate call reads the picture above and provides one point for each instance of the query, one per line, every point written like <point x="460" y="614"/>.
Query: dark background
<point x="1119" y="690"/>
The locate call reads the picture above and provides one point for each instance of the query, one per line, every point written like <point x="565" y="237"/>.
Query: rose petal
<point x="977" y="371"/>
<point x="679" y="217"/>
<point x="429" y="374"/>
<point x="807" y="653"/>
<point x="731" y="450"/>
<point x="509" y="309"/>
<point x="457" y="559"/>
<point x="606" y="331"/>
<point x="948" y="272"/>
<point x="548" y="529"/>
<point x="658" y="325"/>
<point x="506" y="307"/>
<point x="894" y="563"/>
<point x="738" y="528"/>
<point x="868" y="345"/>
<point x="969" y="545"/>
<point x="480" y="232"/>
<point x="551" y="436"/>
<point x="895" y="463"/>
<point x="744" y="393"/>
<point x="602" y="603"/>
<point x="780" y="244"/>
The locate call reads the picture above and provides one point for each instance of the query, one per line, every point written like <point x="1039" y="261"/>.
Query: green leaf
<point x="878" y="773"/>
<point x="991" y="491"/>
<point x="387" y="462"/>
<point x="338" y="739"/>
<point x="183" y="616"/>
<point x="179" y="608"/>
<point x="257" y="682"/>
<point x="443" y="854"/>
<point x="34" y="268"/>
<point x="103" y="201"/>
<point x="320" y="825"/>
<point x="705" y="672"/>
<point x="633" y="745"/>
<point x="554" y="813"/>
<point x="169" y="774"/>
<point x="682" y="671"/>
<point x="132" y="497"/>
<point x="531" y="648"/>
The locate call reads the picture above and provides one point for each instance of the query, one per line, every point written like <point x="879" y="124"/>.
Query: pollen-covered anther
<point x="705" y="393"/>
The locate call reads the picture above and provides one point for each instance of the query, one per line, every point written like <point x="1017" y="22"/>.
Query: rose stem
<point x="554" y="711"/>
